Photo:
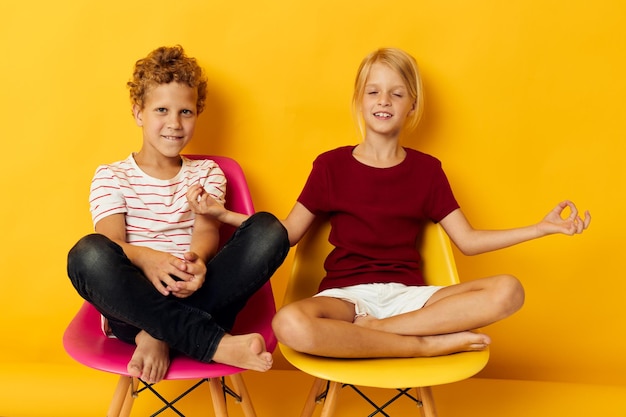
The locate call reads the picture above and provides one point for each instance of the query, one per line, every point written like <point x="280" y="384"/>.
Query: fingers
<point x="185" y="289"/>
<point x="173" y="272"/>
<point x="587" y="220"/>
<point x="160" y="287"/>
<point x="195" y="271"/>
<point x="582" y="224"/>
<point x="194" y="195"/>
<point x="193" y="264"/>
<point x="570" y="225"/>
<point x="193" y="202"/>
<point x="190" y="256"/>
<point x="165" y="285"/>
<point x="577" y="224"/>
<point x="198" y="203"/>
<point x="194" y="191"/>
<point x="573" y="210"/>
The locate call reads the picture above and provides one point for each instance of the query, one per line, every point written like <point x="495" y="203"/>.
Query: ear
<point x="138" y="114"/>
<point x="413" y="107"/>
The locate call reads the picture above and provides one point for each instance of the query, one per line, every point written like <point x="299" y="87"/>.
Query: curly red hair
<point x="165" y="65"/>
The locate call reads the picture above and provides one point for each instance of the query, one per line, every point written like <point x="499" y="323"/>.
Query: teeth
<point x="382" y="114"/>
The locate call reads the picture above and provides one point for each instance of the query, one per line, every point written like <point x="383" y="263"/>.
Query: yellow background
<point x="524" y="106"/>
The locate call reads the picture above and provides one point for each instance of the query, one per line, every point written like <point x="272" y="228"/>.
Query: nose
<point x="384" y="99"/>
<point x="174" y="121"/>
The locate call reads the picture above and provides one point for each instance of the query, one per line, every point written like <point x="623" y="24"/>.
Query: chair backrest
<point x="438" y="263"/>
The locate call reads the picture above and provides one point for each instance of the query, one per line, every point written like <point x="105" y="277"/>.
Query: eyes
<point x="165" y="110"/>
<point x="373" y="93"/>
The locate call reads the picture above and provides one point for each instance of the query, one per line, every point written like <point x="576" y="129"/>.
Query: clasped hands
<point x="174" y="276"/>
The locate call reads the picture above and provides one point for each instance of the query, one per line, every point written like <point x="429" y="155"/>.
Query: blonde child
<point x="373" y="301"/>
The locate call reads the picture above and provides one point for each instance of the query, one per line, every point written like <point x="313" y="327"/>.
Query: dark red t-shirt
<point x="376" y="214"/>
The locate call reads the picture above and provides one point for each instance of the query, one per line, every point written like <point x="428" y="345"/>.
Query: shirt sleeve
<point x="441" y="201"/>
<point x="314" y="195"/>
<point x="214" y="181"/>
<point x="105" y="197"/>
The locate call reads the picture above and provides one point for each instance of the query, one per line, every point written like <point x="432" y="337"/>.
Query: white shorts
<point x="382" y="300"/>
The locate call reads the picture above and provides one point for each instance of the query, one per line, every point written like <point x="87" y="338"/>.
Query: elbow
<point x="293" y="237"/>
<point x="468" y="250"/>
<point x="293" y="241"/>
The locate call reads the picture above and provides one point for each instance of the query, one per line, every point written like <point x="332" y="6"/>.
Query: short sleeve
<point x="314" y="195"/>
<point x="106" y="196"/>
<point x="441" y="200"/>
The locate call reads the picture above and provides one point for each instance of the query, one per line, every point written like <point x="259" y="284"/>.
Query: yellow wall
<point x="524" y="105"/>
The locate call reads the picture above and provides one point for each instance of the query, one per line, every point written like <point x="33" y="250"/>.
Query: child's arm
<point x="204" y="242"/>
<point x="156" y="265"/>
<point x="203" y="204"/>
<point x="471" y="241"/>
<point x="296" y="223"/>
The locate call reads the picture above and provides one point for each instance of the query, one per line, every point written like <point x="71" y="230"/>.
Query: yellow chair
<point x="420" y="373"/>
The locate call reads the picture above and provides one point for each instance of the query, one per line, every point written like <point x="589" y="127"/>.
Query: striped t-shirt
<point x="157" y="212"/>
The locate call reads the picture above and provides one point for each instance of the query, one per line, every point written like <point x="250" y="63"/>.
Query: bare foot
<point x="436" y="345"/>
<point x="150" y="360"/>
<point x="446" y="344"/>
<point x="244" y="351"/>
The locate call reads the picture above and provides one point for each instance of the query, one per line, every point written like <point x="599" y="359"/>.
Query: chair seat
<point x="85" y="342"/>
<point x="390" y="372"/>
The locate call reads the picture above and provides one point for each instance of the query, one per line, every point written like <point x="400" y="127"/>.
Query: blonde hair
<point x="162" y="66"/>
<point x="406" y="66"/>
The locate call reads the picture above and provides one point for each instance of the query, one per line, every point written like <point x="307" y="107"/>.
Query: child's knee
<point x="92" y="255"/>
<point x="290" y="326"/>
<point x="271" y="230"/>
<point x="282" y="323"/>
<point x="86" y="251"/>
<point x="510" y="294"/>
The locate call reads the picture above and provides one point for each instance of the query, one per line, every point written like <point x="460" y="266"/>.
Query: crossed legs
<point x="197" y="326"/>
<point x="327" y="327"/>
<point x="151" y="358"/>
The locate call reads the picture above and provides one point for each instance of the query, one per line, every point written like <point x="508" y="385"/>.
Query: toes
<point x="135" y="368"/>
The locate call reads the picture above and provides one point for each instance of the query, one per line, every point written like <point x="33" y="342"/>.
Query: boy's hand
<point x="573" y="224"/>
<point x="164" y="270"/>
<point x="196" y="267"/>
<point x="202" y="203"/>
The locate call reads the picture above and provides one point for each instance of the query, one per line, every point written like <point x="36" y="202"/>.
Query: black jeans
<point x="105" y="277"/>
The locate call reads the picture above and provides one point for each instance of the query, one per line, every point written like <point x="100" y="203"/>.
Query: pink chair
<point x="83" y="340"/>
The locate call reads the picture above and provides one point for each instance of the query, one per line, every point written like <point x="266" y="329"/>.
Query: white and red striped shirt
<point x="157" y="212"/>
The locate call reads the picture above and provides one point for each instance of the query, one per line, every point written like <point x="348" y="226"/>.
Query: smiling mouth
<point x="171" y="137"/>
<point x="382" y="115"/>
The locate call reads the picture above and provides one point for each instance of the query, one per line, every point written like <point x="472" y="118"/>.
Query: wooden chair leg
<point x="241" y="390"/>
<point x="122" y="401"/>
<point x="311" y="401"/>
<point x="130" y="398"/>
<point x="330" y="403"/>
<point x="425" y="395"/>
<point x="217" y="395"/>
